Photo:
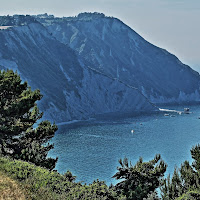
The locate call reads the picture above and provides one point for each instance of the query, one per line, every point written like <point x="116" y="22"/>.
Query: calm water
<point x="91" y="150"/>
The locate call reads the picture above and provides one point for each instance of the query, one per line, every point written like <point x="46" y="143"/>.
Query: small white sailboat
<point x="186" y="111"/>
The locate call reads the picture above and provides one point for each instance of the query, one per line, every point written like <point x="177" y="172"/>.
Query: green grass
<point x="42" y="184"/>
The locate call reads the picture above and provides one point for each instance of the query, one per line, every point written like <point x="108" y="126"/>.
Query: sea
<point x="91" y="149"/>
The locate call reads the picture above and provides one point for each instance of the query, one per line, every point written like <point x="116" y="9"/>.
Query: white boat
<point x="166" y="114"/>
<point x="186" y="111"/>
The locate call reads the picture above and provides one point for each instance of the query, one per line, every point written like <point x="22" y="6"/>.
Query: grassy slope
<point x="10" y="189"/>
<point x="41" y="184"/>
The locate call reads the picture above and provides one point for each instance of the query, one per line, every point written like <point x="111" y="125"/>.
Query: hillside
<point x="10" y="189"/>
<point x="91" y="65"/>
<point x="71" y="88"/>
<point x="115" y="49"/>
<point x="41" y="184"/>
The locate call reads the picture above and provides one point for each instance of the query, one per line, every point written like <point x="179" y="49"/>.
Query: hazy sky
<point x="171" y="24"/>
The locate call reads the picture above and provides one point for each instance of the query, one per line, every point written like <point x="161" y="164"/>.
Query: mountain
<point x="114" y="49"/>
<point x="91" y="65"/>
<point x="73" y="88"/>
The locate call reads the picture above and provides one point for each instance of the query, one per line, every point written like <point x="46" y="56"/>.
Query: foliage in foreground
<point x="185" y="182"/>
<point x="42" y="184"/>
<point x="190" y="195"/>
<point x="18" y="114"/>
<point x="141" y="180"/>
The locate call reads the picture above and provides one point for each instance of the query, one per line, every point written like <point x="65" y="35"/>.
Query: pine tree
<point x="185" y="181"/>
<point x="18" y="114"/>
<point x="141" y="180"/>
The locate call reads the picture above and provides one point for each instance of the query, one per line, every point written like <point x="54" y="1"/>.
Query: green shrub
<point x="190" y="195"/>
<point x="40" y="183"/>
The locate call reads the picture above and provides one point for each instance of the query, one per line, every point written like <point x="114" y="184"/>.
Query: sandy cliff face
<point x="116" y="50"/>
<point x="92" y="64"/>
<point x="72" y="87"/>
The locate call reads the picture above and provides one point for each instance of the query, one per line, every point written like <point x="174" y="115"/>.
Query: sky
<point x="173" y="25"/>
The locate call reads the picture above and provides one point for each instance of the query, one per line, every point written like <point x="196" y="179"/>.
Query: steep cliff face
<point x="116" y="50"/>
<point x="92" y="64"/>
<point x="72" y="89"/>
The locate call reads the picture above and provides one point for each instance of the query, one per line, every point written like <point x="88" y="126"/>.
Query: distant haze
<point x="169" y="24"/>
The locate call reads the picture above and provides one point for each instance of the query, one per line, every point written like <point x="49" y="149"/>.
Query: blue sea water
<point x="91" y="150"/>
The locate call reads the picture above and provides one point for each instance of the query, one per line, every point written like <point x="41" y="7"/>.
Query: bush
<point x="41" y="183"/>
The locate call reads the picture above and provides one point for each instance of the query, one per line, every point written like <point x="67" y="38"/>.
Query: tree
<point x="195" y="152"/>
<point x="68" y="175"/>
<point x="18" y="114"/>
<point x="185" y="181"/>
<point x="141" y="180"/>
